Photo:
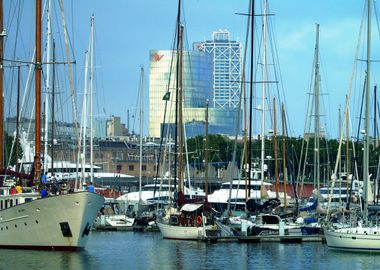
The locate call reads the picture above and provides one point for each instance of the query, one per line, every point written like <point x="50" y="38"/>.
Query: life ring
<point x="199" y="220"/>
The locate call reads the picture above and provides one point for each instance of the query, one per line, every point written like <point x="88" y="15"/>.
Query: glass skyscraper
<point x="197" y="87"/>
<point x="212" y="70"/>
<point x="226" y="56"/>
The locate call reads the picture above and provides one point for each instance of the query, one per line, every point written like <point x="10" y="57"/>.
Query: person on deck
<point x="13" y="190"/>
<point x="43" y="178"/>
<point x="90" y="187"/>
<point x="53" y="178"/>
<point x="44" y="192"/>
<point x="18" y="188"/>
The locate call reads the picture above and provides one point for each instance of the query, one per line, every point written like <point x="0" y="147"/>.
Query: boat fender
<point x="199" y="220"/>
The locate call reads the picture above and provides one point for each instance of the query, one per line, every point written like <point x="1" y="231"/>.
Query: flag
<point x="166" y="96"/>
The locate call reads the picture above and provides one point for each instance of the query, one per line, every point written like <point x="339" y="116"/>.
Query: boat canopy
<point x="191" y="207"/>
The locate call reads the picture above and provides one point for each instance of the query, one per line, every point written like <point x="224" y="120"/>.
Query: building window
<point x="143" y="167"/>
<point x="131" y="167"/>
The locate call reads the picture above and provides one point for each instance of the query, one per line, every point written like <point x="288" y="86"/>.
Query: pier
<point x="266" y="238"/>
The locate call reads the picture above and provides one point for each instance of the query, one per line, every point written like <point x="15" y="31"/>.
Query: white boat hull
<point x="114" y="222"/>
<point x="53" y="223"/>
<point x="119" y="221"/>
<point x="354" y="239"/>
<point x="181" y="232"/>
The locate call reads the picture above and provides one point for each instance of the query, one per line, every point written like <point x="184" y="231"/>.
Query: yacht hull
<point x="60" y="222"/>
<point x="181" y="232"/>
<point x="354" y="239"/>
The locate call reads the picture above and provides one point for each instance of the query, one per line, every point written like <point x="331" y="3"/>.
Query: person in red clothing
<point x="13" y="190"/>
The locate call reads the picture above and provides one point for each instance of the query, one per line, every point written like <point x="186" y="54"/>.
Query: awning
<point x="191" y="207"/>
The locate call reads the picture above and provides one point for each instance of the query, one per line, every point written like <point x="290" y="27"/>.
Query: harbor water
<point x="136" y="250"/>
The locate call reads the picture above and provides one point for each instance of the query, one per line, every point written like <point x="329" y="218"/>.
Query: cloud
<point x="296" y="40"/>
<point x="338" y="37"/>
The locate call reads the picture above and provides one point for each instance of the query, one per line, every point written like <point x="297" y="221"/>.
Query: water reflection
<point x="31" y="259"/>
<point x="130" y="250"/>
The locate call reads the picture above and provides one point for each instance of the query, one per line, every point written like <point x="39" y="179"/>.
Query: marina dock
<point x="267" y="238"/>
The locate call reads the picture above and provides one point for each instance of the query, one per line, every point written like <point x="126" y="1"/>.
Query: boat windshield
<point x="151" y="188"/>
<point x="336" y="191"/>
<point x="253" y="187"/>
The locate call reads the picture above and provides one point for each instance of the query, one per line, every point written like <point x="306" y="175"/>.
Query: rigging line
<point x="33" y="63"/>
<point x="72" y="28"/>
<point x="377" y="18"/>
<point x="272" y="39"/>
<point x="69" y="70"/>
<point x="70" y="41"/>
<point x="334" y="176"/>
<point x="165" y="111"/>
<point x="326" y="105"/>
<point x="306" y="126"/>
<point x="136" y="108"/>
<point x="244" y="154"/>
<point x="11" y="73"/>
<point x="98" y="86"/>
<point x="254" y="93"/>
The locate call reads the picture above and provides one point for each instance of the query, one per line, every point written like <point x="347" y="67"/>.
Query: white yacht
<point x="219" y="198"/>
<point x="111" y="217"/>
<point x="340" y="195"/>
<point x="189" y="223"/>
<point x="363" y="236"/>
<point x="60" y="222"/>
<point x="155" y="193"/>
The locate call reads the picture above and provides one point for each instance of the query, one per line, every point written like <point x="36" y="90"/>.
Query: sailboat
<point x="189" y="221"/>
<point x="58" y="222"/>
<point x="361" y="236"/>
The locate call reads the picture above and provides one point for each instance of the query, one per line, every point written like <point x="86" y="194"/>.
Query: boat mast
<point x="206" y="150"/>
<point x="141" y="125"/>
<point x="367" y="114"/>
<point x="284" y="153"/>
<point x="250" y="102"/>
<point x="17" y="116"/>
<point x="83" y="131"/>
<point x="52" y="112"/>
<point x="180" y="122"/>
<point x="2" y="34"/>
<point x="176" y="98"/>
<point x="275" y="148"/>
<point x="91" y="102"/>
<point x="316" y="117"/>
<point x="47" y="86"/>
<point x="38" y="69"/>
<point x="264" y="91"/>
<point x="347" y="158"/>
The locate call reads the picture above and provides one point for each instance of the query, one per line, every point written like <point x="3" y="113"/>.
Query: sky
<point x="126" y="30"/>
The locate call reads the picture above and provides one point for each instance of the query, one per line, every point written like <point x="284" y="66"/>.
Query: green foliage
<point x="221" y="150"/>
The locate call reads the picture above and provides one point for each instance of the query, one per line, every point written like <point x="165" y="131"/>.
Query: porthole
<point x="37" y="221"/>
<point x="25" y="223"/>
<point x="76" y="203"/>
<point x="15" y="225"/>
<point x="6" y="227"/>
